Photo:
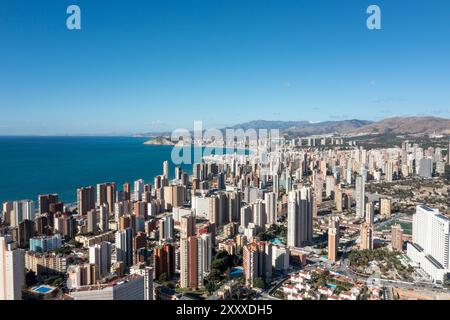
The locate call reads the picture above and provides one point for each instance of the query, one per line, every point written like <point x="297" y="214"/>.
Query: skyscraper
<point x="189" y="263"/>
<point x="333" y="239"/>
<point x="259" y="214"/>
<point x="300" y="227"/>
<point x="448" y="153"/>
<point x="7" y="212"/>
<point x="23" y="210"/>
<point x="430" y="242"/>
<point x="187" y="227"/>
<point x="270" y="201"/>
<point x="124" y="246"/>
<point x="104" y="218"/>
<point x="106" y="193"/>
<point x="12" y="269"/>
<point x="126" y="191"/>
<point x="257" y="262"/>
<point x="138" y="190"/>
<point x="385" y="207"/>
<point x="366" y="237"/>
<point x="164" y="261"/>
<point x="276" y="184"/>
<point x="166" y="228"/>
<point x="92" y="221"/>
<point x="174" y="196"/>
<point x="426" y="167"/>
<point x="204" y="248"/>
<point x="370" y="213"/>
<point x="166" y="169"/>
<point x="85" y="199"/>
<point x="100" y="255"/>
<point x="360" y="197"/>
<point x="45" y="201"/>
<point x="397" y="238"/>
<point x="389" y="171"/>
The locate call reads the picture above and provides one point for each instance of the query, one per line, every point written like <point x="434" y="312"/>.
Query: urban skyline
<point x="232" y="228"/>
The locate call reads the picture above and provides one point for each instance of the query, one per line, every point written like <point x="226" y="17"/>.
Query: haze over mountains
<point x="396" y="125"/>
<point x="305" y="127"/>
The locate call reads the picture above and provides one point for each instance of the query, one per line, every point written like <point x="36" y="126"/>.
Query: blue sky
<point x="161" y="64"/>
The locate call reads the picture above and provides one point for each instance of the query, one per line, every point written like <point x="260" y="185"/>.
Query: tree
<point x="163" y="277"/>
<point x="30" y="278"/>
<point x="260" y="283"/>
<point x="211" y="287"/>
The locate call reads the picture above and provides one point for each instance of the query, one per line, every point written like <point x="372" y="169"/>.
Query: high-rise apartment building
<point x="22" y="210"/>
<point x="187" y="226"/>
<point x="360" y="196"/>
<point x="300" y="227"/>
<point x="270" y="201"/>
<point x="100" y="255"/>
<point x="104" y="218"/>
<point x="138" y="190"/>
<point x="397" y="238"/>
<point x="430" y="242"/>
<point x="12" y="269"/>
<point x="259" y="214"/>
<point x="91" y="221"/>
<point x="166" y="169"/>
<point x="370" y="213"/>
<point x="164" y="261"/>
<point x="174" y="196"/>
<point x="106" y="194"/>
<point x="189" y="263"/>
<point x="45" y="201"/>
<point x="257" y="262"/>
<point x="85" y="199"/>
<point x="333" y="239"/>
<point x="385" y="207"/>
<point x="124" y="247"/>
<point x="366" y="236"/>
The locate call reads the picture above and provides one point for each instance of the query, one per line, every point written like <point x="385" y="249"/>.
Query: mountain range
<point x="397" y="125"/>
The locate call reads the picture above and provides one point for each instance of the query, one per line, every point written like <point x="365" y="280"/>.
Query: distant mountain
<point x="303" y="128"/>
<point x="407" y="125"/>
<point x="398" y="125"/>
<point x="269" y="124"/>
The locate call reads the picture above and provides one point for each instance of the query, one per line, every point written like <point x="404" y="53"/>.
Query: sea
<point x="30" y="166"/>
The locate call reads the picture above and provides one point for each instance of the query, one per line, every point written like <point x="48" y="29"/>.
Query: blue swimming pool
<point x="42" y="289"/>
<point x="236" y="272"/>
<point x="331" y="286"/>
<point x="277" y="241"/>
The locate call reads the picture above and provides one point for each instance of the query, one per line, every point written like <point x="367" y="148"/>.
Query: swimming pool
<point x="42" y="289"/>
<point x="277" y="241"/>
<point x="236" y="272"/>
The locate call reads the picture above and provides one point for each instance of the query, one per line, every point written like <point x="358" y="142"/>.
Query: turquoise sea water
<point x="30" y="166"/>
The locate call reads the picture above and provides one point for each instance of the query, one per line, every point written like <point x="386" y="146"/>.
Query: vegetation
<point x="446" y="281"/>
<point x="221" y="266"/>
<point x="30" y="278"/>
<point x="54" y="281"/>
<point x="163" y="277"/>
<point x="275" y="231"/>
<point x="447" y="173"/>
<point x="260" y="283"/>
<point x="325" y="278"/>
<point x="75" y="244"/>
<point x="64" y="250"/>
<point x="386" y="261"/>
<point x="364" y="294"/>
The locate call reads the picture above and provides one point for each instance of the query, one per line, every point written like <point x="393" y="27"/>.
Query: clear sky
<point x="138" y="66"/>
